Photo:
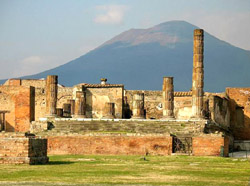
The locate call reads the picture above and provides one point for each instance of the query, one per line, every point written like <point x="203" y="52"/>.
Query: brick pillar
<point x="198" y="75"/>
<point x="72" y="109"/>
<point x="66" y="110"/>
<point x="168" y="98"/>
<point x="80" y="105"/>
<point x="51" y="95"/>
<point x="109" y="110"/>
<point x="138" y="106"/>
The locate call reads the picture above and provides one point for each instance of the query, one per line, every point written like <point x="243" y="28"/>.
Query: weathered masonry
<point x="19" y="148"/>
<point x="108" y="119"/>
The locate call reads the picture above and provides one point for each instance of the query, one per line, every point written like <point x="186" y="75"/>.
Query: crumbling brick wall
<point x="239" y="99"/>
<point x="19" y="101"/>
<point x="18" y="148"/>
<point x="110" y="144"/>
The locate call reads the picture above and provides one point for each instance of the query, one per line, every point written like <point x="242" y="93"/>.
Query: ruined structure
<point x="19" y="148"/>
<point x="198" y="75"/>
<point x="138" y="106"/>
<point x="168" y="97"/>
<point x="51" y="95"/>
<point x="108" y="119"/>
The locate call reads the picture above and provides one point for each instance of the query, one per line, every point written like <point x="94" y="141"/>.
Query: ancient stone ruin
<point x="108" y="119"/>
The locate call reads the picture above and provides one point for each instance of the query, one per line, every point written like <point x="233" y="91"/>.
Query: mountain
<point x="140" y="58"/>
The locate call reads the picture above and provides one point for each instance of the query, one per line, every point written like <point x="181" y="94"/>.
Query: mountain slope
<point x="139" y="58"/>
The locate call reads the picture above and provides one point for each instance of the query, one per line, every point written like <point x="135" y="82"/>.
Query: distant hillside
<point x="139" y="58"/>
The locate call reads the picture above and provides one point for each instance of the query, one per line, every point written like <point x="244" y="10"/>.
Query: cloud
<point x="32" y="60"/>
<point x="113" y="14"/>
<point x="34" y="64"/>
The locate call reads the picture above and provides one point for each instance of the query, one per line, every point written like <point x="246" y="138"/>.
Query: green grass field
<point x="130" y="170"/>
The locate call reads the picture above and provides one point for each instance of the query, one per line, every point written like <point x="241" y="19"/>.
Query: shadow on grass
<point x="59" y="162"/>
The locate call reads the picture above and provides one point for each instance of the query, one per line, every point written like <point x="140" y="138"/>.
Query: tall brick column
<point x="80" y="105"/>
<point x="168" y="98"/>
<point x="109" y="110"/>
<point x="198" y="74"/>
<point x="138" y="106"/>
<point x="51" y="95"/>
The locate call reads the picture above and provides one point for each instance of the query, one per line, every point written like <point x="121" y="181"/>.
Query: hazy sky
<point x="36" y="35"/>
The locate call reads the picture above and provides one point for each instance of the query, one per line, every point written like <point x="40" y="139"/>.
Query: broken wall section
<point x="239" y="99"/>
<point x="20" y="102"/>
<point x="153" y="101"/>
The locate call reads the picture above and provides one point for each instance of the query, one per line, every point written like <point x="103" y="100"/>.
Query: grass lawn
<point x="129" y="170"/>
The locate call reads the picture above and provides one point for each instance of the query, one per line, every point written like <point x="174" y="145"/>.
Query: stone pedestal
<point x="198" y="75"/>
<point x="138" y="106"/>
<point x="168" y="98"/>
<point x="80" y="105"/>
<point x="109" y="111"/>
<point x="22" y="148"/>
<point x="51" y="95"/>
<point x="66" y="110"/>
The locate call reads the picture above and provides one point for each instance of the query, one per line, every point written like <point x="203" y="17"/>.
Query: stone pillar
<point x="66" y="110"/>
<point x="138" y="106"/>
<point x="80" y="105"/>
<point x="109" y="110"/>
<point x="168" y="98"/>
<point x="198" y="75"/>
<point x="72" y="109"/>
<point x="51" y="95"/>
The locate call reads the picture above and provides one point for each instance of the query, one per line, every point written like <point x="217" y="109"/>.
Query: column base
<point x="138" y="117"/>
<point x="168" y="118"/>
<point x="108" y="117"/>
<point x="79" y="116"/>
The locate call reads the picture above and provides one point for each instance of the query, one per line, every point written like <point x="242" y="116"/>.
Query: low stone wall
<point x="210" y="145"/>
<point x="18" y="148"/>
<point x="110" y="144"/>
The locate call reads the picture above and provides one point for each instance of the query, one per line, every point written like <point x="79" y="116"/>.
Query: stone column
<point x="72" y="109"/>
<point x="168" y="98"/>
<point x="80" y="105"/>
<point x="66" y="110"/>
<point x="59" y="112"/>
<point x="198" y="74"/>
<point x="138" y="106"/>
<point x="51" y="95"/>
<point x="109" y="110"/>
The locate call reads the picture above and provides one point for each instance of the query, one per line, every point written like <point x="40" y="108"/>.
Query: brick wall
<point x="17" y="148"/>
<point x="115" y="145"/>
<point x="19" y="101"/>
<point x="208" y="145"/>
<point x="240" y="112"/>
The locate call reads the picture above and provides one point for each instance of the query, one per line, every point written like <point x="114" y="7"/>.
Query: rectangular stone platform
<point x="20" y="148"/>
